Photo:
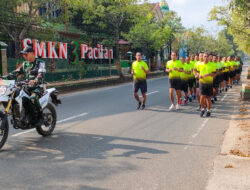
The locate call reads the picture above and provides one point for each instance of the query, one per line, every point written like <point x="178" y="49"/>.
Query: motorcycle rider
<point x="33" y="70"/>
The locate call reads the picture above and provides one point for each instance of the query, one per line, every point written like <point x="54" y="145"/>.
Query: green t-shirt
<point x="189" y="68"/>
<point x="171" y="65"/>
<point x="139" y="74"/>
<point x="206" y="69"/>
<point x="226" y="65"/>
<point x="183" y="75"/>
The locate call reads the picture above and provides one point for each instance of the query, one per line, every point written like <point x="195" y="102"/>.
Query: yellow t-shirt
<point x="139" y="74"/>
<point x="171" y="65"/>
<point x="206" y="69"/>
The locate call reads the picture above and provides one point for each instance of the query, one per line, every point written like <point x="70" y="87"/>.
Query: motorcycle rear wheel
<point x="49" y="121"/>
<point x="3" y="133"/>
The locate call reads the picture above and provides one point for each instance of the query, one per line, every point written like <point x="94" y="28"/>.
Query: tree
<point x="18" y="23"/>
<point x="235" y="16"/>
<point x="110" y="17"/>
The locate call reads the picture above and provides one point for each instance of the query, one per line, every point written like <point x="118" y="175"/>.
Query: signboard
<point x="53" y="50"/>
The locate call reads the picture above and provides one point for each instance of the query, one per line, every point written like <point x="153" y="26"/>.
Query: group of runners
<point x="200" y="77"/>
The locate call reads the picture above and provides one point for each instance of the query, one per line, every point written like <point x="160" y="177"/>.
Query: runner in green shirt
<point x="184" y="80"/>
<point x="206" y="76"/>
<point x="139" y="72"/>
<point x="193" y="60"/>
<point x="174" y="68"/>
<point x="196" y="74"/>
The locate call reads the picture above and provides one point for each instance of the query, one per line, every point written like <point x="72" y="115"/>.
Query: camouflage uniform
<point x="33" y="71"/>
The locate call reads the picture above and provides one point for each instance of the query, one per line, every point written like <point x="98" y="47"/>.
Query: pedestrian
<point x="140" y="71"/>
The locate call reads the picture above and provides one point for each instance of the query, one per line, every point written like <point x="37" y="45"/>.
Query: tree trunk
<point x="117" y="38"/>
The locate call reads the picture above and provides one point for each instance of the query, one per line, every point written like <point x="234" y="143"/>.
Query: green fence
<point x="61" y="70"/>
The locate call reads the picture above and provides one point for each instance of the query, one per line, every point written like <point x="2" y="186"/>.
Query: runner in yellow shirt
<point x="174" y="68"/>
<point x="193" y="60"/>
<point x="184" y="81"/>
<point x="139" y="72"/>
<point x="206" y="76"/>
<point x="196" y="74"/>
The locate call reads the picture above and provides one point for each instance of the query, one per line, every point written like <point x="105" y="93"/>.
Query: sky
<point x="194" y="13"/>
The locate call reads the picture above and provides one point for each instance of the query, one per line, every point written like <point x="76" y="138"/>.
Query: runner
<point x="196" y="74"/>
<point x="140" y="71"/>
<point x="216" y="78"/>
<point x="174" y="68"/>
<point x="193" y="60"/>
<point x="206" y="85"/>
<point x="184" y="81"/>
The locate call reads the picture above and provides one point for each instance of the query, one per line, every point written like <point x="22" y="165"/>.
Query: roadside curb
<point x="70" y="86"/>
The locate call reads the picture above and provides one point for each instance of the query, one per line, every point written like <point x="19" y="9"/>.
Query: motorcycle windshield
<point x="7" y="82"/>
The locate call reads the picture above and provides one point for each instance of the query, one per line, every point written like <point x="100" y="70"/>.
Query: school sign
<point x="59" y="50"/>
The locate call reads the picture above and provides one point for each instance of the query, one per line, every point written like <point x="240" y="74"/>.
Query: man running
<point x="206" y="85"/>
<point x="184" y="81"/>
<point x="140" y="71"/>
<point x="196" y="74"/>
<point x="174" y="68"/>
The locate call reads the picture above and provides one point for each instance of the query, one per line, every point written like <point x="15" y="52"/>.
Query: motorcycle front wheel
<point x="3" y="132"/>
<point x="49" y="121"/>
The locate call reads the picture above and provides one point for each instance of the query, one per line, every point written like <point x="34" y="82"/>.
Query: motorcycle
<point x="16" y="101"/>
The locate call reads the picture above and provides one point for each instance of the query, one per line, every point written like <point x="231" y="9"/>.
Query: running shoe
<point x="208" y="114"/>
<point x="177" y="106"/>
<point x="199" y="108"/>
<point x="212" y="100"/>
<point x="185" y="102"/>
<point x="143" y="106"/>
<point x="202" y="112"/>
<point x="139" y="105"/>
<point x="180" y="101"/>
<point x="172" y="107"/>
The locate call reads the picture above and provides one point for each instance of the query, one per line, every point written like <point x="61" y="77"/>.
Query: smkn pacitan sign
<point x="48" y="50"/>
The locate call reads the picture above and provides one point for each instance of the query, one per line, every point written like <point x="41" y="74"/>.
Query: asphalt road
<point x="102" y="142"/>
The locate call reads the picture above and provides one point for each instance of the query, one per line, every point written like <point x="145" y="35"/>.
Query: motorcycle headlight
<point x="2" y="90"/>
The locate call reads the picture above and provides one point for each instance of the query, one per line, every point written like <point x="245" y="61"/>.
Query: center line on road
<point x="150" y="93"/>
<point x="61" y="121"/>
<point x="197" y="133"/>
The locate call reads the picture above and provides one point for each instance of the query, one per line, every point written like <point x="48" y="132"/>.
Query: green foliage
<point x="235" y="16"/>
<point x="200" y="40"/>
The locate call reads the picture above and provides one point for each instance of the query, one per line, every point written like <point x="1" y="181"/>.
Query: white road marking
<point x="201" y="127"/>
<point x="224" y="97"/>
<point x="73" y="117"/>
<point x="150" y="93"/>
<point x="196" y="133"/>
<point x="61" y="121"/>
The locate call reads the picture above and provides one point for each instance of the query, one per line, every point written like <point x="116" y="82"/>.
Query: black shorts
<point x="184" y="85"/>
<point x="237" y="71"/>
<point x="232" y="74"/>
<point x="191" y="82"/>
<point x="175" y="83"/>
<point x="142" y="85"/>
<point x="216" y="81"/>
<point x="226" y="76"/>
<point x="197" y="84"/>
<point x="206" y="89"/>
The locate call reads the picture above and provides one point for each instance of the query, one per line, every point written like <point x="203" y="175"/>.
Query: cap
<point x="27" y="50"/>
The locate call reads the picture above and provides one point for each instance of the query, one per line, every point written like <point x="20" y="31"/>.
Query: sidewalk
<point x="68" y="86"/>
<point x="232" y="166"/>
